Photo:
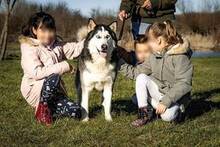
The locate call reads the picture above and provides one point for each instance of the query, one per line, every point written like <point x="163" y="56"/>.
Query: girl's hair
<point x="167" y="30"/>
<point x="40" y="19"/>
<point x="141" y="39"/>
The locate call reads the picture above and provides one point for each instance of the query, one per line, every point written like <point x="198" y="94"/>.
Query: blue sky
<point x="86" y="5"/>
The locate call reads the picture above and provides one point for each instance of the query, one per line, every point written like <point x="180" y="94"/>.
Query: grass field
<point x="202" y="128"/>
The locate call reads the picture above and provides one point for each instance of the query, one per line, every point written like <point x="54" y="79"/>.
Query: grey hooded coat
<point x="172" y="71"/>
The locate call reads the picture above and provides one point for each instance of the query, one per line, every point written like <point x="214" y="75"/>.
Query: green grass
<point x="18" y="126"/>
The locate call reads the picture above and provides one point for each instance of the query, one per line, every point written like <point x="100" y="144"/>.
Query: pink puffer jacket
<point x="40" y="61"/>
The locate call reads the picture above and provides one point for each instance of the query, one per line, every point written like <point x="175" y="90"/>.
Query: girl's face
<point x="142" y="51"/>
<point x="45" y="36"/>
<point x="157" y="44"/>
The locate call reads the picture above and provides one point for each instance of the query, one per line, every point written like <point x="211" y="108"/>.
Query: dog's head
<point x="101" y="39"/>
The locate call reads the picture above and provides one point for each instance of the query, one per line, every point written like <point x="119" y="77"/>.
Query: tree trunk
<point x="4" y="47"/>
<point x="4" y="35"/>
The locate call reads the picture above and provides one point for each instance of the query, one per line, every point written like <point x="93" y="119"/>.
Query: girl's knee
<point x="53" y="78"/>
<point x="51" y="85"/>
<point x="142" y="78"/>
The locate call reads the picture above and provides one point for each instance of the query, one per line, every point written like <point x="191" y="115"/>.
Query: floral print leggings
<point x="58" y="103"/>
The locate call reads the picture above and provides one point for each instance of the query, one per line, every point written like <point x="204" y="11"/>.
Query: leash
<point x="122" y="30"/>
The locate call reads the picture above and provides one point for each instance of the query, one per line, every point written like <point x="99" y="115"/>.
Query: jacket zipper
<point x="161" y="76"/>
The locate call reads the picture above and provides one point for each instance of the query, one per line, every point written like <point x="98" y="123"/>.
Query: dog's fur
<point x="97" y="66"/>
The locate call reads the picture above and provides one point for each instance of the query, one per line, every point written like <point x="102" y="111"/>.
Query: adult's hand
<point x="147" y="4"/>
<point x="122" y="15"/>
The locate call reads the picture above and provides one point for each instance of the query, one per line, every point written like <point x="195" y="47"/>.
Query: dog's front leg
<point x="84" y="104"/>
<point x="107" y="94"/>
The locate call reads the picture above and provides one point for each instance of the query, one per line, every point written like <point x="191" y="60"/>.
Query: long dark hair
<point x="40" y="19"/>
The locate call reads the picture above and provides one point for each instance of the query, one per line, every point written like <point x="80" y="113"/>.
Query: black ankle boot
<point x="145" y="115"/>
<point x="150" y="111"/>
<point x="180" y="117"/>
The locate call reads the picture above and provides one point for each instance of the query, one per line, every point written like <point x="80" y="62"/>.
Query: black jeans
<point x="58" y="102"/>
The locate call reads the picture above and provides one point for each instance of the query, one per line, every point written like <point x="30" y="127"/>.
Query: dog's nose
<point x="104" y="47"/>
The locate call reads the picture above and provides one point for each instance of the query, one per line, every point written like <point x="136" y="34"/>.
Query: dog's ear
<point x="113" y="26"/>
<point x="91" y="24"/>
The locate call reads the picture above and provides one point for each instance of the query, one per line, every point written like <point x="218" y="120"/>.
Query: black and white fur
<point x="97" y="66"/>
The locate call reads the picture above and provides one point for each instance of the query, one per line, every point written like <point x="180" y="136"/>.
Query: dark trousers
<point x="138" y="28"/>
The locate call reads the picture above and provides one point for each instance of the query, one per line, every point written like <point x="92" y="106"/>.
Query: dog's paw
<point x="109" y="118"/>
<point x="86" y="119"/>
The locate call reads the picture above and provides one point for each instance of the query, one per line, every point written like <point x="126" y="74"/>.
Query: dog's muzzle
<point x="103" y="51"/>
<point x="104" y="48"/>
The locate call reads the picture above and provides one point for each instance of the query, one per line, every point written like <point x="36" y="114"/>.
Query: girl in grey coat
<point x="164" y="81"/>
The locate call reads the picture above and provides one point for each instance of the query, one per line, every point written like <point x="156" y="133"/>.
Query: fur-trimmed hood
<point x="28" y="40"/>
<point x="34" y="42"/>
<point x="180" y="48"/>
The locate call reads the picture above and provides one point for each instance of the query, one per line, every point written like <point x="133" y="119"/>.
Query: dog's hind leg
<point x="84" y="103"/>
<point x="107" y="94"/>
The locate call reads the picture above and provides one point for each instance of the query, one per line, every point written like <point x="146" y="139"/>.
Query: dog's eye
<point x="98" y="37"/>
<point x="107" y="36"/>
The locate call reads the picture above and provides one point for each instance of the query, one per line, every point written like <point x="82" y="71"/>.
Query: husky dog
<point x="97" y="66"/>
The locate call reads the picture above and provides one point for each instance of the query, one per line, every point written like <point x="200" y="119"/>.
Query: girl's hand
<point x="161" y="109"/>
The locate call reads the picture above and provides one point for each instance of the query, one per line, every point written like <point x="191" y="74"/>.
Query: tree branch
<point x="13" y="4"/>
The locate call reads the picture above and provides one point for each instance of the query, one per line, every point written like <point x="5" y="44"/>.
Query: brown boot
<point x="145" y="115"/>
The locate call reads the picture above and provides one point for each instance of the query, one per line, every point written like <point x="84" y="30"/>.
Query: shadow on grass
<point x="199" y="105"/>
<point x="121" y="106"/>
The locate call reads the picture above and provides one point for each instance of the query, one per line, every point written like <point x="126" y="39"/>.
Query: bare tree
<point x="181" y="6"/>
<point x="216" y="5"/>
<point x="9" y="4"/>
<point x="210" y="5"/>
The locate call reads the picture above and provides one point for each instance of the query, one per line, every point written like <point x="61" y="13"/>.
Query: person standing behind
<point x="146" y="12"/>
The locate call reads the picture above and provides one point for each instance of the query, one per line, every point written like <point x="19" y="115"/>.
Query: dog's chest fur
<point x="97" y="74"/>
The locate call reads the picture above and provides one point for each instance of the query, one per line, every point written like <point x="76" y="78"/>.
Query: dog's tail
<point x="82" y="33"/>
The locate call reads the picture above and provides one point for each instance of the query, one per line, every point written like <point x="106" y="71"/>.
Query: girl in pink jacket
<point x="43" y="62"/>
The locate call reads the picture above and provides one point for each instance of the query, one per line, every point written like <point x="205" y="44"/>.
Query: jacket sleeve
<point x="163" y="4"/>
<point x="127" y="5"/>
<point x="72" y="49"/>
<point x="183" y="80"/>
<point x="32" y="65"/>
<point x="131" y="71"/>
<point x="128" y="57"/>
